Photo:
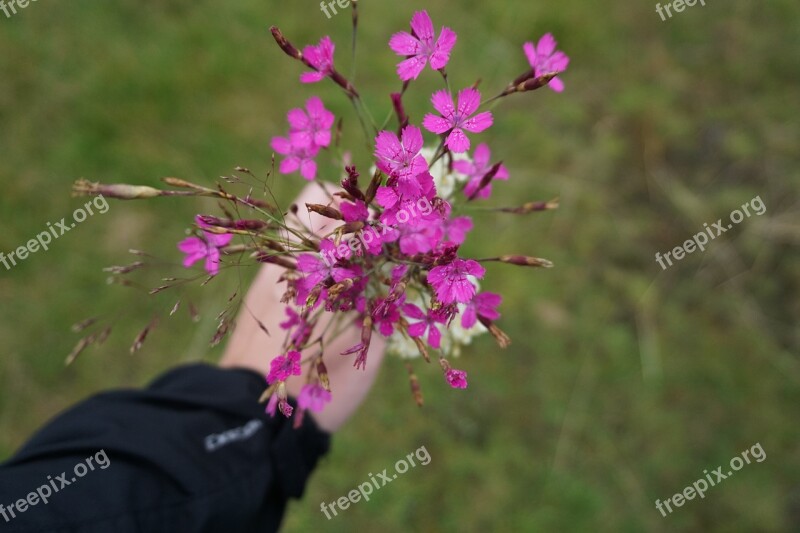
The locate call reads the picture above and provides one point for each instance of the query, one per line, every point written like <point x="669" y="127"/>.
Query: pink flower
<point x="421" y="47"/>
<point x="313" y="397"/>
<point x="319" y="267"/>
<point x="356" y="212"/>
<point x="286" y="408"/>
<point x="427" y="322"/>
<point x="386" y="314"/>
<point x="320" y="58"/>
<point x="395" y="200"/>
<point x="456" y="229"/>
<point x="272" y="405"/>
<point x="312" y="126"/>
<point x="484" y="305"/>
<point x="302" y="329"/>
<point x="284" y="366"/>
<point x="545" y="60"/>
<point x="275" y="403"/>
<point x="206" y="248"/>
<point x="476" y="170"/>
<point x="456" y="120"/>
<point x="297" y="158"/>
<point x="457" y="378"/>
<point x="419" y="236"/>
<point x="451" y="281"/>
<point x="400" y="158"/>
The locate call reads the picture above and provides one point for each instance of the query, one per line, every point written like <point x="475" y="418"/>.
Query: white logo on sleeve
<point x="216" y="441"/>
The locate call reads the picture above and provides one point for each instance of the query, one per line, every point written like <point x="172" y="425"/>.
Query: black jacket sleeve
<point x="194" y="452"/>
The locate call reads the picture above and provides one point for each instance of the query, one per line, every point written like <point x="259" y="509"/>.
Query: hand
<point x="249" y="347"/>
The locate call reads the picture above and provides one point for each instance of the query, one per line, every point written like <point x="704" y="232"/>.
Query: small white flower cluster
<point x="445" y="180"/>
<point x="456" y="336"/>
<point x="453" y="338"/>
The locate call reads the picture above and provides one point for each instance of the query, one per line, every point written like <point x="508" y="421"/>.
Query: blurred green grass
<point x="623" y="383"/>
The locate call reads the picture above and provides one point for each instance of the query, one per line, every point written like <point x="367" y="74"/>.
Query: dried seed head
<point x="103" y="335"/>
<point x="266" y="257"/>
<point x="225" y="327"/>
<point x="503" y="340"/>
<point x="339" y="288"/>
<point x="268" y="392"/>
<point x="486" y="180"/>
<point x="527" y="261"/>
<point x="312" y="298"/>
<point x="531" y="207"/>
<point x="284" y="44"/>
<point x="141" y="337"/>
<point x="80" y="326"/>
<point x="181" y="183"/>
<point x="124" y="269"/>
<point x="350" y="183"/>
<point x="372" y="190"/>
<point x="322" y="372"/>
<point x="325" y="211"/>
<point x="423" y="350"/>
<point x="416" y="389"/>
<point x="78" y="349"/>
<point x="119" y="191"/>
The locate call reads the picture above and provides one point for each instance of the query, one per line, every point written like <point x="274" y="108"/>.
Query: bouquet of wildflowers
<point x="392" y="263"/>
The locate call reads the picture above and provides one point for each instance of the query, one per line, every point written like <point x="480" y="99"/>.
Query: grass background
<point x="624" y="381"/>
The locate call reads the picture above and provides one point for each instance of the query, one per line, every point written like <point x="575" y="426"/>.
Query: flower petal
<point x="315" y="108"/>
<point x="556" y="84"/>
<point x="311" y="77"/>
<point x="298" y="119"/>
<point x="417" y="329"/>
<point x="482" y="156"/>
<point x="281" y="145"/>
<point x="218" y="240"/>
<point x="441" y="52"/>
<point x="559" y="62"/>
<point x="469" y="318"/>
<point x="289" y="165"/>
<point x="457" y="141"/>
<point x="434" y="337"/>
<point x="212" y="261"/>
<point x="546" y="46"/>
<point x="469" y="100"/>
<point x="479" y="122"/>
<point x="412" y="311"/>
<point x="386" y="197"/>
<point x="422" y="25"/>
<point x="301" y="139"/>
<point x="411" y="68"/>
<point x="443" y="103"/>
<point x="322" y="138"/>
<point x="530" y="53"/>
<point x="412" y="139"/>
<point x="436" y="124"/>
<point x="308" y="169"/>
<point x="404" y="44"/>
<point x="192" y="245"/>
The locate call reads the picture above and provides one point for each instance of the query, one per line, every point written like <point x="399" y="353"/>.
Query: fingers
<point x="250" y="347"/>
